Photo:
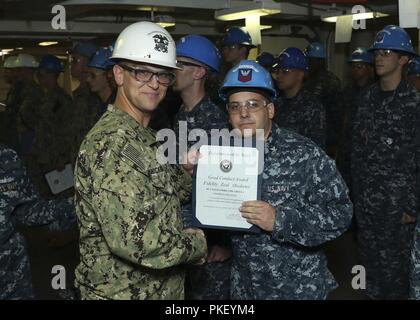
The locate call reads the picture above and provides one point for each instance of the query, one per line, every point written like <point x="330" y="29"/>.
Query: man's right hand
<point x="198" y="232"/>
<point x="189" y="160"/>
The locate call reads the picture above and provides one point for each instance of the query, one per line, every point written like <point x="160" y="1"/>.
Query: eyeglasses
<point x="95" y="75"/>
<point x="182" y="64"/>
<point x="283" y="70"/>
<point x="229" y="47"/>
<point x="251" y="105"/>
<point x="382" y="53"/>
<point x="164" y="78"/>
<point x="358" y="65"/>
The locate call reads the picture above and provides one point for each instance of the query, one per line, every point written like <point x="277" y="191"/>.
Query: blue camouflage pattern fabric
<point x="132" y="244"/>
<point x="385" y="179"/>
<point x="210" y="281"/>
<point x="21" y="204"/>
<point x="327" y="88"/>
<point x="312" y="207"/>
<point x="351" y="95"/>
<point x="415" y="266"/>
<point x="303" y="114"/>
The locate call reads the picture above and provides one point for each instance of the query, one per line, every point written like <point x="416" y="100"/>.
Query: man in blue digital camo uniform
<point x="385" y="168"/>
<point x="234" y="46"/>
<point x="198" y="57"/>
<point x="132" y="241"/>
<point x="304" y="201"/>
<point x="297" y="109"/>
<point x="21" y="204"/>
<point x="413" y="73"/>
<point x="362" y="77"/>
<point x="415" y="266"/>
<point x="327" y="87"/>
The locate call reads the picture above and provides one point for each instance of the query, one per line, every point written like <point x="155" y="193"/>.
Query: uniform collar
<point x="146" y="135"/>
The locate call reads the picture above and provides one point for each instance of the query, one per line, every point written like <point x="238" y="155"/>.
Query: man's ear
<point x="404" y="60"/>
<point x="200" y="73"/>
<point x="118" y="75"/>
<point x="244" y="51"/>
<point x="271" y="110"/>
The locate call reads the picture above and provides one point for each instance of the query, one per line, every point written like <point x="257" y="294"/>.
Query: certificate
<point x="224" y="177"/>
<point x="59" y="181"/>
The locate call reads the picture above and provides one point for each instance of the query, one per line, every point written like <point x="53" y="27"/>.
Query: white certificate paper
<point x="59" y="181"/>
<point x="225" y="177"/>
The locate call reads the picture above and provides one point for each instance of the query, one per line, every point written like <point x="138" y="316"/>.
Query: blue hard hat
<point x="292" y="58"/>
<point x="101" y="59"/>
<point x="266" y="59"/>
<point x="316" y="50"/>
<point x="393" y="38"/>
<point x="414" y="66"/>
<point x="247" y="74"/>
<point x="51" y="63"/>
<point x="236" y="35"/>
<point x="200" y="49"/>
<point x="85" y="48"/>
<point x="361" y="55"/>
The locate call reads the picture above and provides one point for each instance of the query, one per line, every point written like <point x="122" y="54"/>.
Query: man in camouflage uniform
<point x="304" y="201"/>
<point x="297" y="109"/>
<point x="20" y="203"/>
<point x="28" y="109"/>
<point x="327" y="88"/>
<point x="362" y="77"/>
<point x="8" y="130"/>
<point x="132" y="243"/>
<point x="415" y="266"/>
<point x="87" y="105"/>
<point x="385" y="168"/>
<point x="198" y="57"/>
<point x="52" y="133"/>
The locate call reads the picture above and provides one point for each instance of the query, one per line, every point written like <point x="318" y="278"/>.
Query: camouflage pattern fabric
<point x="303" y="114"/>
<point x="211" y="281"/>
<point x="312" y="207"/>
<point x="415" y="266"/>
<point x="327" y="87"/>
<point x="20" y="203"/>
<point x="385" y="175"/>
<point x="52" y="138"/>
<point x="128" y="209"/>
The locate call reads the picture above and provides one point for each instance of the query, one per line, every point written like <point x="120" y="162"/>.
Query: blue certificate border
<point x="198" y="224"/>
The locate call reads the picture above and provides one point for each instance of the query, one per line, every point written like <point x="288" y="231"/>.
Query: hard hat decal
<point x="245" y="75"/>
<point x="380" y="37"/>
<point x="161" y="43"/>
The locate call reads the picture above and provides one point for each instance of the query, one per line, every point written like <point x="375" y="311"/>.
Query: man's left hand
<point x="260" y="213"/>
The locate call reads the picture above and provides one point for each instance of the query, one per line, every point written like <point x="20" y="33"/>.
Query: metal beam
<point x="42" y="29"/>
<point x="193" y="4"/>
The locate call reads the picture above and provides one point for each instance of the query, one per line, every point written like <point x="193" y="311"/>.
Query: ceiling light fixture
<point x="357" y="16"/>
<point x="242" y="12"/>
<point x="47" y="43"/>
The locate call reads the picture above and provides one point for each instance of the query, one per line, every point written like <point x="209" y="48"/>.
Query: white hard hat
<point x="10" y="62"/>
<point x="26" y="60"/>
<point x="146" y="42"/>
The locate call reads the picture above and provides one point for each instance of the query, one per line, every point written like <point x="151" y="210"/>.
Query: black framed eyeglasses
<point x="382" y="53"/>
<point x="251" y="105"/>
<point x="182" y="64"/>
<point x="164" y="78"/>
